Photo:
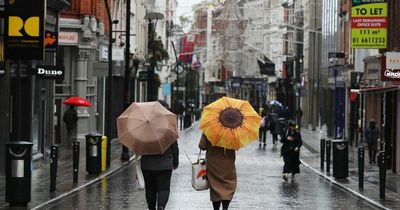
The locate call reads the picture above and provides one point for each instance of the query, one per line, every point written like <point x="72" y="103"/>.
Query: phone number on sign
<point x="369" y="40"/>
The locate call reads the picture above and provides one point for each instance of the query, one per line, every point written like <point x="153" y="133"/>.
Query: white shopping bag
<point x="199" y="175"/>
<point x="139" y="174"/>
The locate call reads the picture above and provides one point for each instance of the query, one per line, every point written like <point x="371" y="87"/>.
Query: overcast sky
<point x="185" y="7"/>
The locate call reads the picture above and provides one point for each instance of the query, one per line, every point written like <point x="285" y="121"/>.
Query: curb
<point x="353" y="192"/>
<point x="96" y="180"/>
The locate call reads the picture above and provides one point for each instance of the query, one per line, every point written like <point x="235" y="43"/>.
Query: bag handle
<point x="198" y="157"/>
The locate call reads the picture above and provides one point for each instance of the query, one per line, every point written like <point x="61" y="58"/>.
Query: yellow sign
<point x="16" y="24"/>
<point x="369" y="25"/>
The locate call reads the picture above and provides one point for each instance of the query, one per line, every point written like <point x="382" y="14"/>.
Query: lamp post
<point x="109" y="85"/>
<point x="152" y="16"/>
<point x="125" y="150"/>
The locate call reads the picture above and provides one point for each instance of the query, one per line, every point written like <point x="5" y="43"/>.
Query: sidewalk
<point x="311" y="140"/>
<point x="40" y="193"/>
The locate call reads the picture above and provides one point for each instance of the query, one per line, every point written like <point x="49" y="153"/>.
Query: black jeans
<point x="157" y="186"/>
<point x="217" y="204"/>
<point x="262" y="134"/>
<point x="372" y="148"/>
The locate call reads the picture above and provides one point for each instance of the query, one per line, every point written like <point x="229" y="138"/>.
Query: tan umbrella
<point x="147" y="128"/>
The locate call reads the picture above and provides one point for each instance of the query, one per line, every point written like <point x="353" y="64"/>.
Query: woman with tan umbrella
<point x="149" y="129"/>
<point x="227" y="124"/>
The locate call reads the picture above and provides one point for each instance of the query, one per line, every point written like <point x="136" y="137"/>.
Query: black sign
<point x="336" y="55"/>
<point x="24" y="29"/>
<point x="143" y="76"/>
<point x="236" y="81"/>
<point x="51" y="41"/>
<point x="267" y="67"/>
<point x="49" y="72"/>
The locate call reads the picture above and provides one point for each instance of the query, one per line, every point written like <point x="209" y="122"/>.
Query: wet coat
<point x="221" y="170"/>
<point x="291" y="157"/>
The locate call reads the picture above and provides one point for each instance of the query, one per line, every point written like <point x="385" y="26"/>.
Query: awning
<point x="377" y="90"/>
<point x="267" y="67"/>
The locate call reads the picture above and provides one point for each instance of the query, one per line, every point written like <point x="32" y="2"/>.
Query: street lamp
<point x="125" y="150"/>
<point x="109" y="109"/>
<point x="152" y="16"/>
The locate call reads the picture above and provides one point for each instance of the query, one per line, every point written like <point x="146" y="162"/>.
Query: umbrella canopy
<point x="275" y="103"/>
<point x="147" y="128"/>
<point x="230" y="123"/>
<point x="77" y="101"/>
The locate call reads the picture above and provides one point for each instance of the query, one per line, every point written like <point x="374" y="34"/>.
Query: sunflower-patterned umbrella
<point x="230" y="123"/>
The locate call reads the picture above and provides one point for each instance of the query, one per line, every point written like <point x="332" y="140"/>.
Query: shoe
<point x="259" y="145"/>
<point x="265" y="144"/>
<point x="293" y="178"/>
<point x="285" y="178"/>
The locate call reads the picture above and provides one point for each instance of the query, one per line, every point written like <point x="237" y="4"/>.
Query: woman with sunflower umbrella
<point x="227" y="124"/>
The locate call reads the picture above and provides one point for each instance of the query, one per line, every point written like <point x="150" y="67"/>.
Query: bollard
<point x="322" y="153"/>
<point x="328" y="155"/>
<point x="53" y="167"/>
<point x="75" y="154"/>
<point x="382" y="174"/>
<point x="104" y="152"/>
<point x="361" y="158"/>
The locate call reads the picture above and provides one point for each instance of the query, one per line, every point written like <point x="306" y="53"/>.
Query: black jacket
<point x="288" y="146"/>
<point x="168" y="160"/>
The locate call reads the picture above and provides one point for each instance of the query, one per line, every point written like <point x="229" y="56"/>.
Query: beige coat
<point x="221" y="170"/>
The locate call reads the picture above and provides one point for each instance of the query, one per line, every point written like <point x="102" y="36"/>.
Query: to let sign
<point x="369" y="24"/>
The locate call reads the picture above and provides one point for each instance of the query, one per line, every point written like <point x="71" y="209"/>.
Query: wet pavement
<point x="260" y="185"/>
<point x="40" y="192"/>
<point x="311" y="140"/>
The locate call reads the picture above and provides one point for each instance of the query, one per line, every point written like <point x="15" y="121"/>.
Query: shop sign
<point x="49" y="72"/>
<point x="68" y="38"/>
<point x="143" y="76"/>
<point x="24" y="29"/>
<point x="390" y="74"/>
<point x="166" y="88"/>
<point x="51" y="41"/>
<point x="392" y="60"/>
<point x="369" y="24"/>
<point x="117" y="53"/>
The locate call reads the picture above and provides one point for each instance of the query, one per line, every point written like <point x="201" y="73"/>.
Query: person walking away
<point x="157" y="171"/>
<point x="221" y="173"/>
<point x="371" y="135"/>
<point x="70" y="119"/>
<point x="262" y="137"/>
<point x="290" y="150"/>
<point x="275" y="127"/>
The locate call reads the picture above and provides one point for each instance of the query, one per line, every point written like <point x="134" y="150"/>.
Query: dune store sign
<point x="24" y="29"/>
<point x="50" y="72"/>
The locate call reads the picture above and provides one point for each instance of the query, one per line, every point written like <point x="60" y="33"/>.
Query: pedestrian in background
<point x="290" y="150"/>
<point x="157" y="171"/>
<point x="263" y="128"/>
<point x="371" y="135"/>
<point x="70" y="119"/>
<point x="275" y="127"/>
<point x="221" y="173"/>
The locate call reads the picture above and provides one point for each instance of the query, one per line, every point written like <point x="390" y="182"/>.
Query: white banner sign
<point x="392" y="60"/>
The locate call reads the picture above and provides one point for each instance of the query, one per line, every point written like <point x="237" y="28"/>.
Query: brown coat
<point x="221" y="170"/>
